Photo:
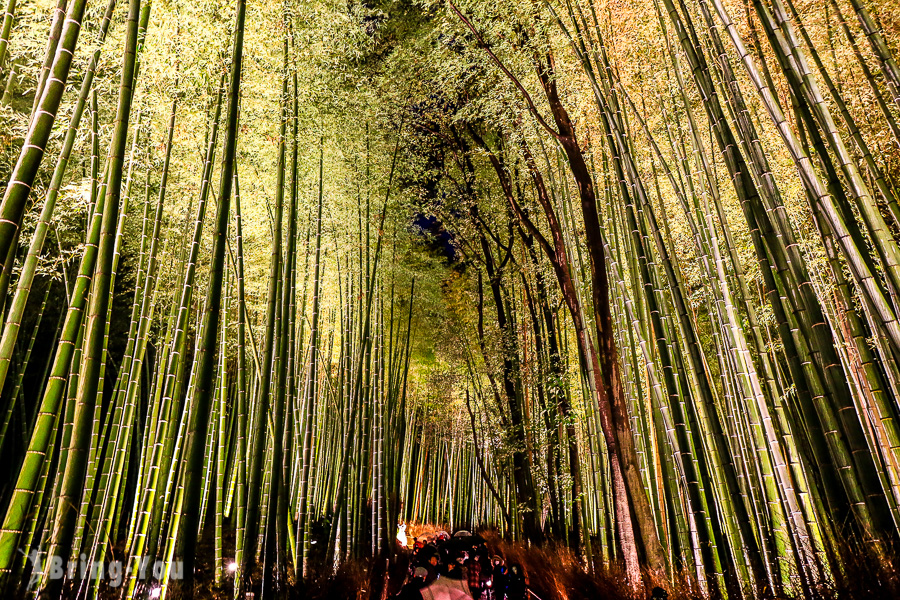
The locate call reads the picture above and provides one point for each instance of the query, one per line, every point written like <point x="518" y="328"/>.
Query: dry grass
<point x="553" y="572"/>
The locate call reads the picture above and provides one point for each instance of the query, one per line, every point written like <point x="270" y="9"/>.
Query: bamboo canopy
<point x="618" y="279"/>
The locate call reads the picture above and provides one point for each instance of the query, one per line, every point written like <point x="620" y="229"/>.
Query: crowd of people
<point x="459" y="567"/>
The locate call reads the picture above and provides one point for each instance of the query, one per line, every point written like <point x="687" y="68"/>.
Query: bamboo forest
<point x="450" y="299"/>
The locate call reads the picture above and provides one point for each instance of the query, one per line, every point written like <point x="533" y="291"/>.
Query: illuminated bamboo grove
<point x="618" y="277"/>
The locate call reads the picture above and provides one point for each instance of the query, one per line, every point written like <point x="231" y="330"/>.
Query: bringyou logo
<point x="113" y="572"/>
